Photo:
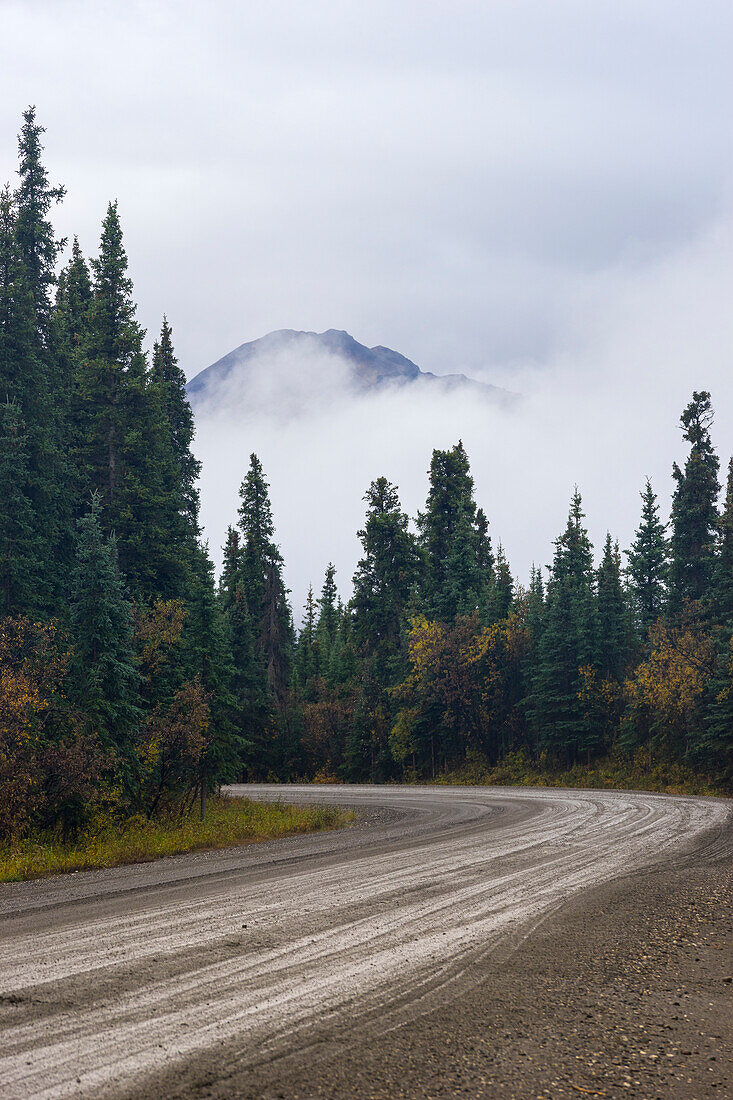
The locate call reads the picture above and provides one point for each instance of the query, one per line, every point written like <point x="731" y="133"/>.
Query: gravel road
<point x="219" y="973"/>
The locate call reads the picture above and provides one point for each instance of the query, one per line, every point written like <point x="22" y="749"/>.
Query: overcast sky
<point x="536" y="193"/>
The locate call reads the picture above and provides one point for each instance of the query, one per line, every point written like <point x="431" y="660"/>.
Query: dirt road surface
<point x="455" y="942"/>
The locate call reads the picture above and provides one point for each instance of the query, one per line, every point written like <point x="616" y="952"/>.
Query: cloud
<point x="604" y="414"/>
<point x="536" y="194"/>
<point x="441" y="178"/>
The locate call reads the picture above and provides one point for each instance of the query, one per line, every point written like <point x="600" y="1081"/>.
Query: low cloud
<point x="603" y="414"/>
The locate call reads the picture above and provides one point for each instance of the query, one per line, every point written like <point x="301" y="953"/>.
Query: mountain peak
<point x="332" y="358"/>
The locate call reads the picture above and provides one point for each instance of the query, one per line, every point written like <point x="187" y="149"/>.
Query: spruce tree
<point x="262" y="579"/>
<point x="105" y="679"/>
<point x="170" y="470"/>
<point x="35" y="235"/>
<point x="535" y="603"/>
<point x="567" y="644"/>
<point x="501" y="588"/>
<point x="383" y="586"/>
<point x="23" y="542"/>
<point x="22" y="371"/>
<point x="74" y="298"/>
<point x="535" y="621"/>
<point x="613" y="620"/>
<point x="453" y="539"/>
<point x="251" y="704"/>
<point x="231" y="569"/>
<point x="343" y="665"/>
<point x="306" y="658"/>
<point x="723" y="571"/>
<point x="128" y="453"/>
<point x="325" y="627"/>
<point x="463" y="587"/>
<point x="694" y="511"/>
<point x="328" y="611"/>
<point x="484" y="553"/>
<point x="208" y="657"/>
<point x="648" y="564"/>
<point x="20" y="559"/>
<point x="385" y="575"/>
<point x="40" y="383"/>
<point x="170" y="382"/>
<point x="156" y="542"/>
<point x="112" y="356"/>
<point x="713" y="746"/>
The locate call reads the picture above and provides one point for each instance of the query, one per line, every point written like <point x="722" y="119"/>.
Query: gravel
<point x="457" y="942"/>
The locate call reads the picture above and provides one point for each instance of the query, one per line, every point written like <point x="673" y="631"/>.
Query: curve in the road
<point x="110" y="977"/>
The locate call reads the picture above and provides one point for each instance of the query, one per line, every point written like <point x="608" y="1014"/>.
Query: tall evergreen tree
<point x="252" y="703"/>
<point x="208" y="657"/>
<point x="231" y="573"/>
<point x="501" y="588"/>
<point x="454" y="539"/>
<point x="383" y="585"/>
<point x="128" y="453"/>
<point x="103" y="671"/>
<point x="694" y="511"/>
<point x="385" y="574"/>
<point x="74" y="298"/>
<point x="41" y="387"/>
<point x="463" y="588"/>
<point x="22" y="372"/>
<point x="535" y="603"/>
<point x="484" y="553"/>
<point x="612" y="618"/>
<point x="306" y="659"/>
<point x="23" y="543"/>
<point x="713" y="745"/>
<point x="264" y="588"/>
<point x="35" y="235"/>
<point x="112" y="356"/>
<point x="567" y="644"/>
<point x="723" y="572"/>
<point x="156" y="541"/>
<point x="328" y="611"/>
<point x="170" y="383"/>
<point x="648" y="564"/>
<point x="20" y="557"/>
<point x="170" y="470"/>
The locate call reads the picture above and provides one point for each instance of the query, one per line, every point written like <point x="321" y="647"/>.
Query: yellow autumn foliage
<point x="666" y="690"/>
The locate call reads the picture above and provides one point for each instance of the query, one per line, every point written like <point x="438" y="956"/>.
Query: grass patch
<point x="229" y="822"/>
<point x="614" y="772"/>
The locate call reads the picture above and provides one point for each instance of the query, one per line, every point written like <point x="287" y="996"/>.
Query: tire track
<point x="126" y="975"/>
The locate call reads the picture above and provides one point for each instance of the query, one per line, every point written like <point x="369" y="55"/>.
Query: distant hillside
<point x="292" y="353"/>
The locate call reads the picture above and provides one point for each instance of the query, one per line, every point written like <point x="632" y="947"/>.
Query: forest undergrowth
<point x="228" y="822"/>
<point x="617" y="771"/>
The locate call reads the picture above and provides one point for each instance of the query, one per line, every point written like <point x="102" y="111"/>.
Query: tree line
<point x="440" y="654"/>
<point x="131" y="681"/>
<point x="114" y="657"/>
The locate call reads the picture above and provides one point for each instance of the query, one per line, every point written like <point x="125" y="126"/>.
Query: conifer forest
<point x="133" y="679"/>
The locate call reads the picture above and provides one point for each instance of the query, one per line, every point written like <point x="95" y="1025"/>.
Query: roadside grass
<point x="614" y="772"/>
<point x="228" y="822"/>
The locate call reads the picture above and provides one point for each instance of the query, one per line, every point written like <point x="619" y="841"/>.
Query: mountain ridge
<point x="367" y="368"/>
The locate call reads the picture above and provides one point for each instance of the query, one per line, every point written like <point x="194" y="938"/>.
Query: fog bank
<point x="603" y="414"/>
